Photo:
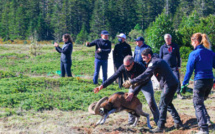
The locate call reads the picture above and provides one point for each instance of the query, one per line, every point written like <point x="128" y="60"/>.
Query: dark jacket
<point x="104" y="45"/>
<point x="202" y="61"/>
<point x="120" y="51"/>
<point x="161" y="70"/>
<point x="136" y="70"/>
<point x="171" y="54"/>
<point x="137" y="54"/>
<point x="66" y="52"/>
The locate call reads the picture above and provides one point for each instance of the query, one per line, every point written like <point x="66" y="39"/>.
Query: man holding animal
<point x="134" y="69"/>
<point x="165" y="76"/>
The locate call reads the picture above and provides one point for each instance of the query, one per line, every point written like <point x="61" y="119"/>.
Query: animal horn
<point x="97" y="107"/>
<point x="91" y="108"/>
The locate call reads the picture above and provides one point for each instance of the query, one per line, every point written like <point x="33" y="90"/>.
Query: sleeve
<point x="145" y="75"/>
<point x="137" y="89"/>
<point x="107" y="51"/>
<point x="213" y="59"/>
<point x="57" y="49"/>
<point x="113" y="77"/>
<point x="161" y="52"/>
<point x="178" y="57"/>
<point x="65" y="50"/>
<point x="189" y="68"/>
<point x="93" y="43"/>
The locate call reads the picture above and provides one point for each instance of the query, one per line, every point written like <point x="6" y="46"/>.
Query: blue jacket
<point x="105" y="46"/>
<point x="171" y="54"/>
<point x="66" y="52"/>
<point x="137" y="54"/>
<point x="202" y="61"/>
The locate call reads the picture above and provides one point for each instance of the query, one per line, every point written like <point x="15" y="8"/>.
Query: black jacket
<point x="104" y="45"/>
<point x="161" y="70"/>
<point x="66" y="52"/>
<point x="120" y="51"/>
<point x="133" y="73"/>
<point x="171" y="54"/>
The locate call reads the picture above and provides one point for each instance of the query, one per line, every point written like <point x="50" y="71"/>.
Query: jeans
<point x="202" y="89"/>
<point x="98" y="64"/>
<point x="66" y="68"/>
<point x="166" y="105"/>
<point x="149" y="95"/>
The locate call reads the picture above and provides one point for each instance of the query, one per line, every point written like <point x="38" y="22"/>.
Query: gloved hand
<point x="183" y="89"/>
<point x="126" y="84"/>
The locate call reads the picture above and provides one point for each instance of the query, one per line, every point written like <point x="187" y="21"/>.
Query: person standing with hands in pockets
<point x="66" y="52"/>
<point x="103" y="48"/>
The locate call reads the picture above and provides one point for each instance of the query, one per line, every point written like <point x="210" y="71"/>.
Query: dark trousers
<point x="177" y="75"/>
<point x="202" y="89"/>
<point x="120" y="78"/>
<point x="66" y="68"/>
<point x="166" y="104"/>
<point x="98" y="64"/>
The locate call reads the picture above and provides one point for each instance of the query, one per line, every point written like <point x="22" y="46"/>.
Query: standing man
<point x="170" y="53"/>
<point x="133" y="69"/>
<point x="103" y="48"/>
<point x="138" y="50"/>
<point x="121" y="50"/>
<point x="164" y="75"/>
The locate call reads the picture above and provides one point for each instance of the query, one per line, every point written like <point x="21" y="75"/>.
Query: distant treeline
<point x="84" y="19"/>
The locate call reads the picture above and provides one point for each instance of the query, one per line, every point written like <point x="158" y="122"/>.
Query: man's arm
<point x="114" y="76"/>
<point x="93" y="43"/>
<point x="145" y="75"/>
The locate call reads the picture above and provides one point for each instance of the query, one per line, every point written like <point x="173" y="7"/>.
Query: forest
<point x="84" y="19"/>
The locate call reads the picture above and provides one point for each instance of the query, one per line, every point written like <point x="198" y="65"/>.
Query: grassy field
<point x="34" y="99"/>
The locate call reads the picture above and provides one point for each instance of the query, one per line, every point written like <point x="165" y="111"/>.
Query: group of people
<point x="165" y="67"/>
<point x="139" y="69"/>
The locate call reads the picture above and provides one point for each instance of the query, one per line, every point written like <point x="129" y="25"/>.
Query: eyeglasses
<point x="127" y="65"/>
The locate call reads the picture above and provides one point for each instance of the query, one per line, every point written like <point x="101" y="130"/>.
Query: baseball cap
<point x="104" y="32"/>
<point x="122" y="35"/>
<point x="140" y="39"/>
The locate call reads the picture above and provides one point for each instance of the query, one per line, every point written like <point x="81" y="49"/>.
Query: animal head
<point x="99" y="107"/>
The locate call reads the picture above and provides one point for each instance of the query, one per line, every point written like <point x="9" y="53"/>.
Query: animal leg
<point x="135" y="122"/>
<point x="139" y="111"/>
<point x="110" y="112"/>
<point x="100" y="120"/>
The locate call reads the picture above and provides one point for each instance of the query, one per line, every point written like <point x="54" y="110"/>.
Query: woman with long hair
<point x="66" y="52"/>
<point x="202" y="60"/>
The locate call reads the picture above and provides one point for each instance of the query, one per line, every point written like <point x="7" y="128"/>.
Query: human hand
<point x="214" y="85"/>
<point x="129" y="97"/>
<point x="55" y="44"/>
<point x="87" y="43"/>
<point x="183" y="89"/>
<point x="126" y="84"/>
<point x="97" y="89"/>
<point x="99" y="50"/>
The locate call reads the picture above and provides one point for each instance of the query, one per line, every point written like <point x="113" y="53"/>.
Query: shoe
<point x="157" y="130"/>
<point x="202" y="132"/>
<point x="129" y="124"/>
<point x="178" y="125"/>
<point x="180" y="96"/>
<point x="209" y="123"/>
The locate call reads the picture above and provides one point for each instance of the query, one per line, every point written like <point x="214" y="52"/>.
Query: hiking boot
<point x="129" y="124"/>
<point x="179" y="96"/>
<point x="178" y="125"/>
<point x="202" y="132"/>
<point x="157" y="130"/>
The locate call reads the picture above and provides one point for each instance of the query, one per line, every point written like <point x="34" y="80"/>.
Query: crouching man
<point x="133" y="69"/>
<point x="164" y="74"/>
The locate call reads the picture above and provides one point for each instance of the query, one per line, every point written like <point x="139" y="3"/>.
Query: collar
<point x="199" y="47"/>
